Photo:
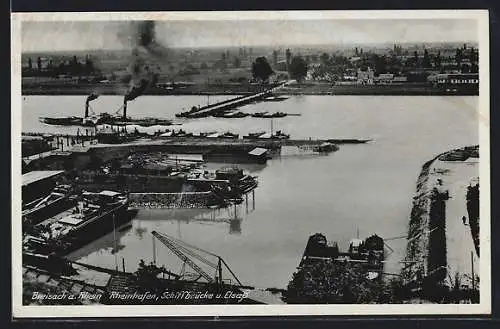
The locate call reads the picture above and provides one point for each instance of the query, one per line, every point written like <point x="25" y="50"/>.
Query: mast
<point x="208" y="92"/>
<point x="114" y="243"/>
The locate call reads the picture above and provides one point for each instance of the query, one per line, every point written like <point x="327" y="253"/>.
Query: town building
<point x="366" y="77"/>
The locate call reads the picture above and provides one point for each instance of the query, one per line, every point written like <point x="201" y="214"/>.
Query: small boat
<point x="187" y="114"/>
<point x="181" y="133"/>
<point x="173" y="133"/>
<point x="275" y="115"/>
<point x="275" y="98"/>
<point x="235" y="115"/>
<point x="62" y="121"/>
<point x="325" y="148"/>
<point x="259" y="114"/>
<point x="182" y="115"/>
<point x="204" y="134"/>
<point x="219" y="114"/>
<point x="279" y="135"/>
<point x="254" y="135"/>
<point x="229" y="135"/>
<point x="214" y="135"/>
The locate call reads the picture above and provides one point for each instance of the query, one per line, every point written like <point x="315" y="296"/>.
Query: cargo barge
<point x="60" y="199"/>
<point x="327" y="275"/>
<point x="368" y="252"/>
<point x="94" y="215"/>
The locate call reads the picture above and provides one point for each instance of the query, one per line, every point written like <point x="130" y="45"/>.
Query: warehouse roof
<point x="258" y="151"/>
<point x="37" y="175"/>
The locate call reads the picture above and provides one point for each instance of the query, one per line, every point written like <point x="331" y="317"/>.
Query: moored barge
<point x="368" y="252"/>
<point x="58" y="200"/>
<point x="94" y="215"/>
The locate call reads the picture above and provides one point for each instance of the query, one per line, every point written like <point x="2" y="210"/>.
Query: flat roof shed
<point x="258" y="151"/>
<point x="39" y="175"/>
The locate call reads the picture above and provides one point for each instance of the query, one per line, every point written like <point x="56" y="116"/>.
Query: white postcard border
<point x="484" y="307"/>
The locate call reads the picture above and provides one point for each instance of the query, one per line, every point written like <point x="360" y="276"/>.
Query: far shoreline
<point x="408" y="89"/>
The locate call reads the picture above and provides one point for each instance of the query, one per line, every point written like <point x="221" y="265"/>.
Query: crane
<point x="182" y="249"/>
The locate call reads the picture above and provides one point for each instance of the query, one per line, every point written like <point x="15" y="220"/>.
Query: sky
<point x="109" y="35"/>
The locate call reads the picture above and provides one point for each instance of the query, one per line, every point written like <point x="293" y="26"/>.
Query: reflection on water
<point x="104" y="244"/>
<point x="235" y="226"/>
<point x="360" y="187"/>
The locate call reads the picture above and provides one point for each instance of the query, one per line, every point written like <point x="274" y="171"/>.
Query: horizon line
<point x="352" y="44"/>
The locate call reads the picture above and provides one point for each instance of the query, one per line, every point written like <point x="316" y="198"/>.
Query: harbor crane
<point x="183" y="250"/>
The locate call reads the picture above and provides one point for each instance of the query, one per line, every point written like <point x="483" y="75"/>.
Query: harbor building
<point x="37" y="183"/>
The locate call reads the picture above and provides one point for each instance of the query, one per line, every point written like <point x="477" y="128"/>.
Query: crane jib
<point x="181" y="255"/>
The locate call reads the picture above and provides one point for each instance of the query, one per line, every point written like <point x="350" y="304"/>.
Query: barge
<point x="368" y="252"/>
<point x="60" y="199"/>
<point x="62" y="121"/>
<point x="94" y="215"/>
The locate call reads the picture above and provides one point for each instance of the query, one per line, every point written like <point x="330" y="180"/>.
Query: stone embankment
<point x="434" y="263"/>
<point x="172" y="200"/>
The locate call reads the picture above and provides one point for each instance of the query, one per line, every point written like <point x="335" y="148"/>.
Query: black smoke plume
<point x="91" y="98"/>
<point x="146" y="50"/>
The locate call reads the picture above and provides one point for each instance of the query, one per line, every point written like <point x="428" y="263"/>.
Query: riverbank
<point x="316" y="88"/>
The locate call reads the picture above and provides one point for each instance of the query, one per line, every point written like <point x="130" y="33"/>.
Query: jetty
<point x="205" y="111"/>
<point x="441" y="256"/>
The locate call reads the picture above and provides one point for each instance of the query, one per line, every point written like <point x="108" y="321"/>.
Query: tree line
<point x="73" y="67"/>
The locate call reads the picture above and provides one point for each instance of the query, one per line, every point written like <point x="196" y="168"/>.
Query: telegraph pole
<point x="472" y="269"/>
<point x="154" y="251"/>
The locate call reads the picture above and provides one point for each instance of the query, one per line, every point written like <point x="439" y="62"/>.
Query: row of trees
<point x="296" y="65"/>
<point x="72" y="67"/>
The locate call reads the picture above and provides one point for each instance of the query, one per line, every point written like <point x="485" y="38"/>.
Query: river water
<point x="364" y="188"/>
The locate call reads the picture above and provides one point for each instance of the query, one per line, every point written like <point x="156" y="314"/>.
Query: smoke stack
<point x="86" y="109"/>
<point x="124" y="109"/>
<point x="90" y="98"/>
